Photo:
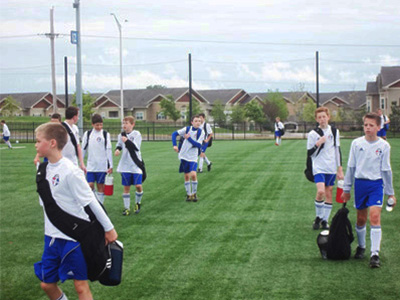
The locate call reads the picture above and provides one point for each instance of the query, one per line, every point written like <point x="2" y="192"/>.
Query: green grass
<point x="249" y="236"/>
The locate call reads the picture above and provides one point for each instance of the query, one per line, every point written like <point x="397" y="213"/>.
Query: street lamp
<point x="120" y="65"/>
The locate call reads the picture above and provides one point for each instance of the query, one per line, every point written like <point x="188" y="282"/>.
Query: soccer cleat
<point x="200" y="171"/>
<point x="375" y="261"/>
<point x="137" y="208"/>
<point x="188" y="198"/>
<point x="276" y="144"/>
<point x="324" y="225"/>
<point x="316" y="223"/>
<point x="209" y="167"/>
<point x="359" y="253"/>
<point x="194" y="197"/>
<point x="126" y="212"/>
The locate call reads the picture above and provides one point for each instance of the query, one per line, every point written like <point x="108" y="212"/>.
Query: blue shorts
<point x="61" y="260"/>
<point x="98" y="177"/>
<point x="328" y="179"/>
<point x="382" y="132"/>
<point x="368" y="193"/>
<point x="187" y="166"/>
<point x="278" y="133"/>
<point x="131" y="179"/>
<point x="6" y="138"/>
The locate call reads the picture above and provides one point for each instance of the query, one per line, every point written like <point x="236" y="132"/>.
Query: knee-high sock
<point x="207" y="161"/>
<point x="277" y="140"/>
<point x="138" y="197"/>
<point x="8" y="144"/>
<point x="201" y="162"/>
<point x="319" y="208"/>
<point x="63" y="297"/>
<point x="100" y="196"/>
<point x="376" y="237"/>
<point x="187" y="187"/>
<point x="194" y="187"/>
<point x="127" y="200"/>
<point x="361" y="233"/>
<point x="327" y="211"/>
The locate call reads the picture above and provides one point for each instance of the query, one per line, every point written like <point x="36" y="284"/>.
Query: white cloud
<point x="214" y="74"/>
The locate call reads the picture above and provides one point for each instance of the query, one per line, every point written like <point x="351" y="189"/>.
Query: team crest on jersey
<point x="378" y="152"/>
<point x="98" y="139"/>
<point x="55" y="180"/>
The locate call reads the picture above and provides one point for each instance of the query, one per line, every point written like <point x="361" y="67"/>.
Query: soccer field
<point x="248" y="237"/>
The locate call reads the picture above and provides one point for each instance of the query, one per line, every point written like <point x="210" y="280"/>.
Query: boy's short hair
<point x="322" y="109"/>
<point x="71" y="112"/>
<point x="2" y="121"/>
<point x="373" y="116"/>
<point x="56" y="116"/>
<point x="130" y="119"/>
<point x="202" y="115"/>
<point x="54" y="131"/>
<point x="96" y="118"/>
<point x="195" y="116"/>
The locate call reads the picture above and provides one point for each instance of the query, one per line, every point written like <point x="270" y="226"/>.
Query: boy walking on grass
<point x="6" y="134"/>
<point x="278" y="131"/>
<point x="131" y="165"/>
<point x="97" y="143"/>
<point x="65" y="195"/>
<point x="369" y="168"/>
<point x="208" y="134"/>
<point x="323" y="143"/>
<point x="188" y="154"/>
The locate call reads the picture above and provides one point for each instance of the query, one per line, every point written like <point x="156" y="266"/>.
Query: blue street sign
<point x="74" y="37"/>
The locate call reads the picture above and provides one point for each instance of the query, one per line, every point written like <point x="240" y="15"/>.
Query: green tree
<point x="395" y="118"/>
<point x="254" y="112"/>
<point x="169" y="109"/>
<point x="218" y="113"/>
<point x="275" y="106"/>
<point x="10" y="106"/>
<point x="155" y="86"/>
<point x="308" y="112"/>
<point x="196" y="109"/>
<point x="238" y="114"/>
<point x="87" y="105"/>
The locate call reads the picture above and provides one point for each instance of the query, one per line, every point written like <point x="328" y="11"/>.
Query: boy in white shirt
<point x="131" y="164"/>
<point x="6" y="134"/>
<point x="278" y="131"/>
<point x="97" y="142"/>
<point x="384" y="124"/>
<point x="369" y="168"/>
<point x="188" y="154"/>
<point x="64" y="189"/>
<point x="72" y="150"/>
<point x="326" y="161"/>
<point x="208" y="134"/>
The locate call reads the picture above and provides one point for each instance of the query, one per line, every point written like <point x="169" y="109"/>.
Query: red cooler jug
<point x="339" y="191"/>
<point x="109" y="185"/>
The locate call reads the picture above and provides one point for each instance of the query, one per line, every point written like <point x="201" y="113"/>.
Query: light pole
<point x="120" y="65"/>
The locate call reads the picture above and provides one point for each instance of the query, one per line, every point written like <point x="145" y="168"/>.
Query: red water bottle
<point x="339" y="191"/>
<point x="109" y="185"/>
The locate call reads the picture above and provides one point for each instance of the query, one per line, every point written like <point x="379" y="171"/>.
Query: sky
<point x="255" y="45"/>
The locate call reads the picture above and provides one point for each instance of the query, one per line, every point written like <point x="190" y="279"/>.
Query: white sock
<point x="127" y="200"/>
<point x="201" y="162"/>
<point x="207" y="161"/>
<point x="276" y="140"/>
<point x="100" y="196"/>
<point x="279" y="141"/>
<point x="361" y="233"/>
<point x="376" y="237"/>
<point x="138" y="197"/>
<point x="194" y="187"/>
<point x="9" y="144"/>
<point x="187" y="187"/>
<point x="319" y="208"/>
<point x="327" y="211"/>
<point x="63" y="297"/>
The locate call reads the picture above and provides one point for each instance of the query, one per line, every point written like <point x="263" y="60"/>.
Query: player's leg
<point x="100" y="178"/>
<point x="188" y="187"/>
<point x="137" y="180"/>
<point x="201" y="162"/>
<point x="193" y="177"/>
<point x="126" y="196"/>
<point x="319" y="180"/>
<point x="329" y="183"/>
<point x="208" y="162"/>
<point x="83" y="289"/>
<point x="375" y="235"/>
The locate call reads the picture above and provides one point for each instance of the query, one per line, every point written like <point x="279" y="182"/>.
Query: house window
<point x="113" y="114"/>
<point x="183" y="114"/>
<point x="334" y="113"/>
<point x="161" y="116"/>
<point x="382" y="103"/>
<point x="103" y="114"/>
<point x="368" y="105"/>
<point x="139" y="115"/>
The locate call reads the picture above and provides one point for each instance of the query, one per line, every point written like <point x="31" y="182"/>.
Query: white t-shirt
<point x="279" y="126"/>
<point x="209" y="129"/>
<point x="71" y="192"/>
<point x="126" y="163"/>
<point x="99" y="154"/>
<point x="6" y="131"/>
<point x="369" y="158"/>
<point x="69" y="149"/>
<point x="326" y="161"/>
<point x="189" y="152"/>
<point x="383" y="117"/>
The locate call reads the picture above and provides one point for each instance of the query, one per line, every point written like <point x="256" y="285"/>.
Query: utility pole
<point x="66" y="80"/>
<point x="190" y="88"/>
<point x="52" y="36"/>
<point x="317" y="74"/>
<point x="78" y="67"/>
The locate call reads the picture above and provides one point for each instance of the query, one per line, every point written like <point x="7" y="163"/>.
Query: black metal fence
<point x="24" y="132"/>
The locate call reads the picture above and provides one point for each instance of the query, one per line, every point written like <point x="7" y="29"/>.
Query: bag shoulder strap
<point x="105" y="138"/>
<point x="334" y="133"/>
<point x="87" y="138"/>
<point x="72" y="136"/>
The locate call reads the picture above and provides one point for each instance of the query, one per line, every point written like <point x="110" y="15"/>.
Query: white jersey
<point x="6" y="131"/>
<point x="369" y="158"/>
<point x="71" y="192"/>
<point x="69" y="149"/>
<point x="278" y="126"/>
<point x="189" y="152"/>
<point x="326" y="162"/>
<point x="383" y="120"/>
<point x="126" y="163"/>
<point x="99" y="154"/>
<point x="209" y="129"/>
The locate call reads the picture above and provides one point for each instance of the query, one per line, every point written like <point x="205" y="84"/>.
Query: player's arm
<point x="84" y="144"/>
<point x="80" y="157"/>
<point x="350" y="174"/>
<point x="311" y="144"/>
<point x="118" y="147"/>
<point x="338" y="155"/>
<point x="109" y="153"/>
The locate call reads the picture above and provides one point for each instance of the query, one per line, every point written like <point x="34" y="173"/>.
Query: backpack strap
<point x="87" y="138"/>
<point x="205" y="129"/>
<point x="72" y="136"/>
<point x="105" y="138"/>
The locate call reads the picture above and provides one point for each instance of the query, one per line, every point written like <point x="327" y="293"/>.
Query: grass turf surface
<point x="248" y="237"/>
